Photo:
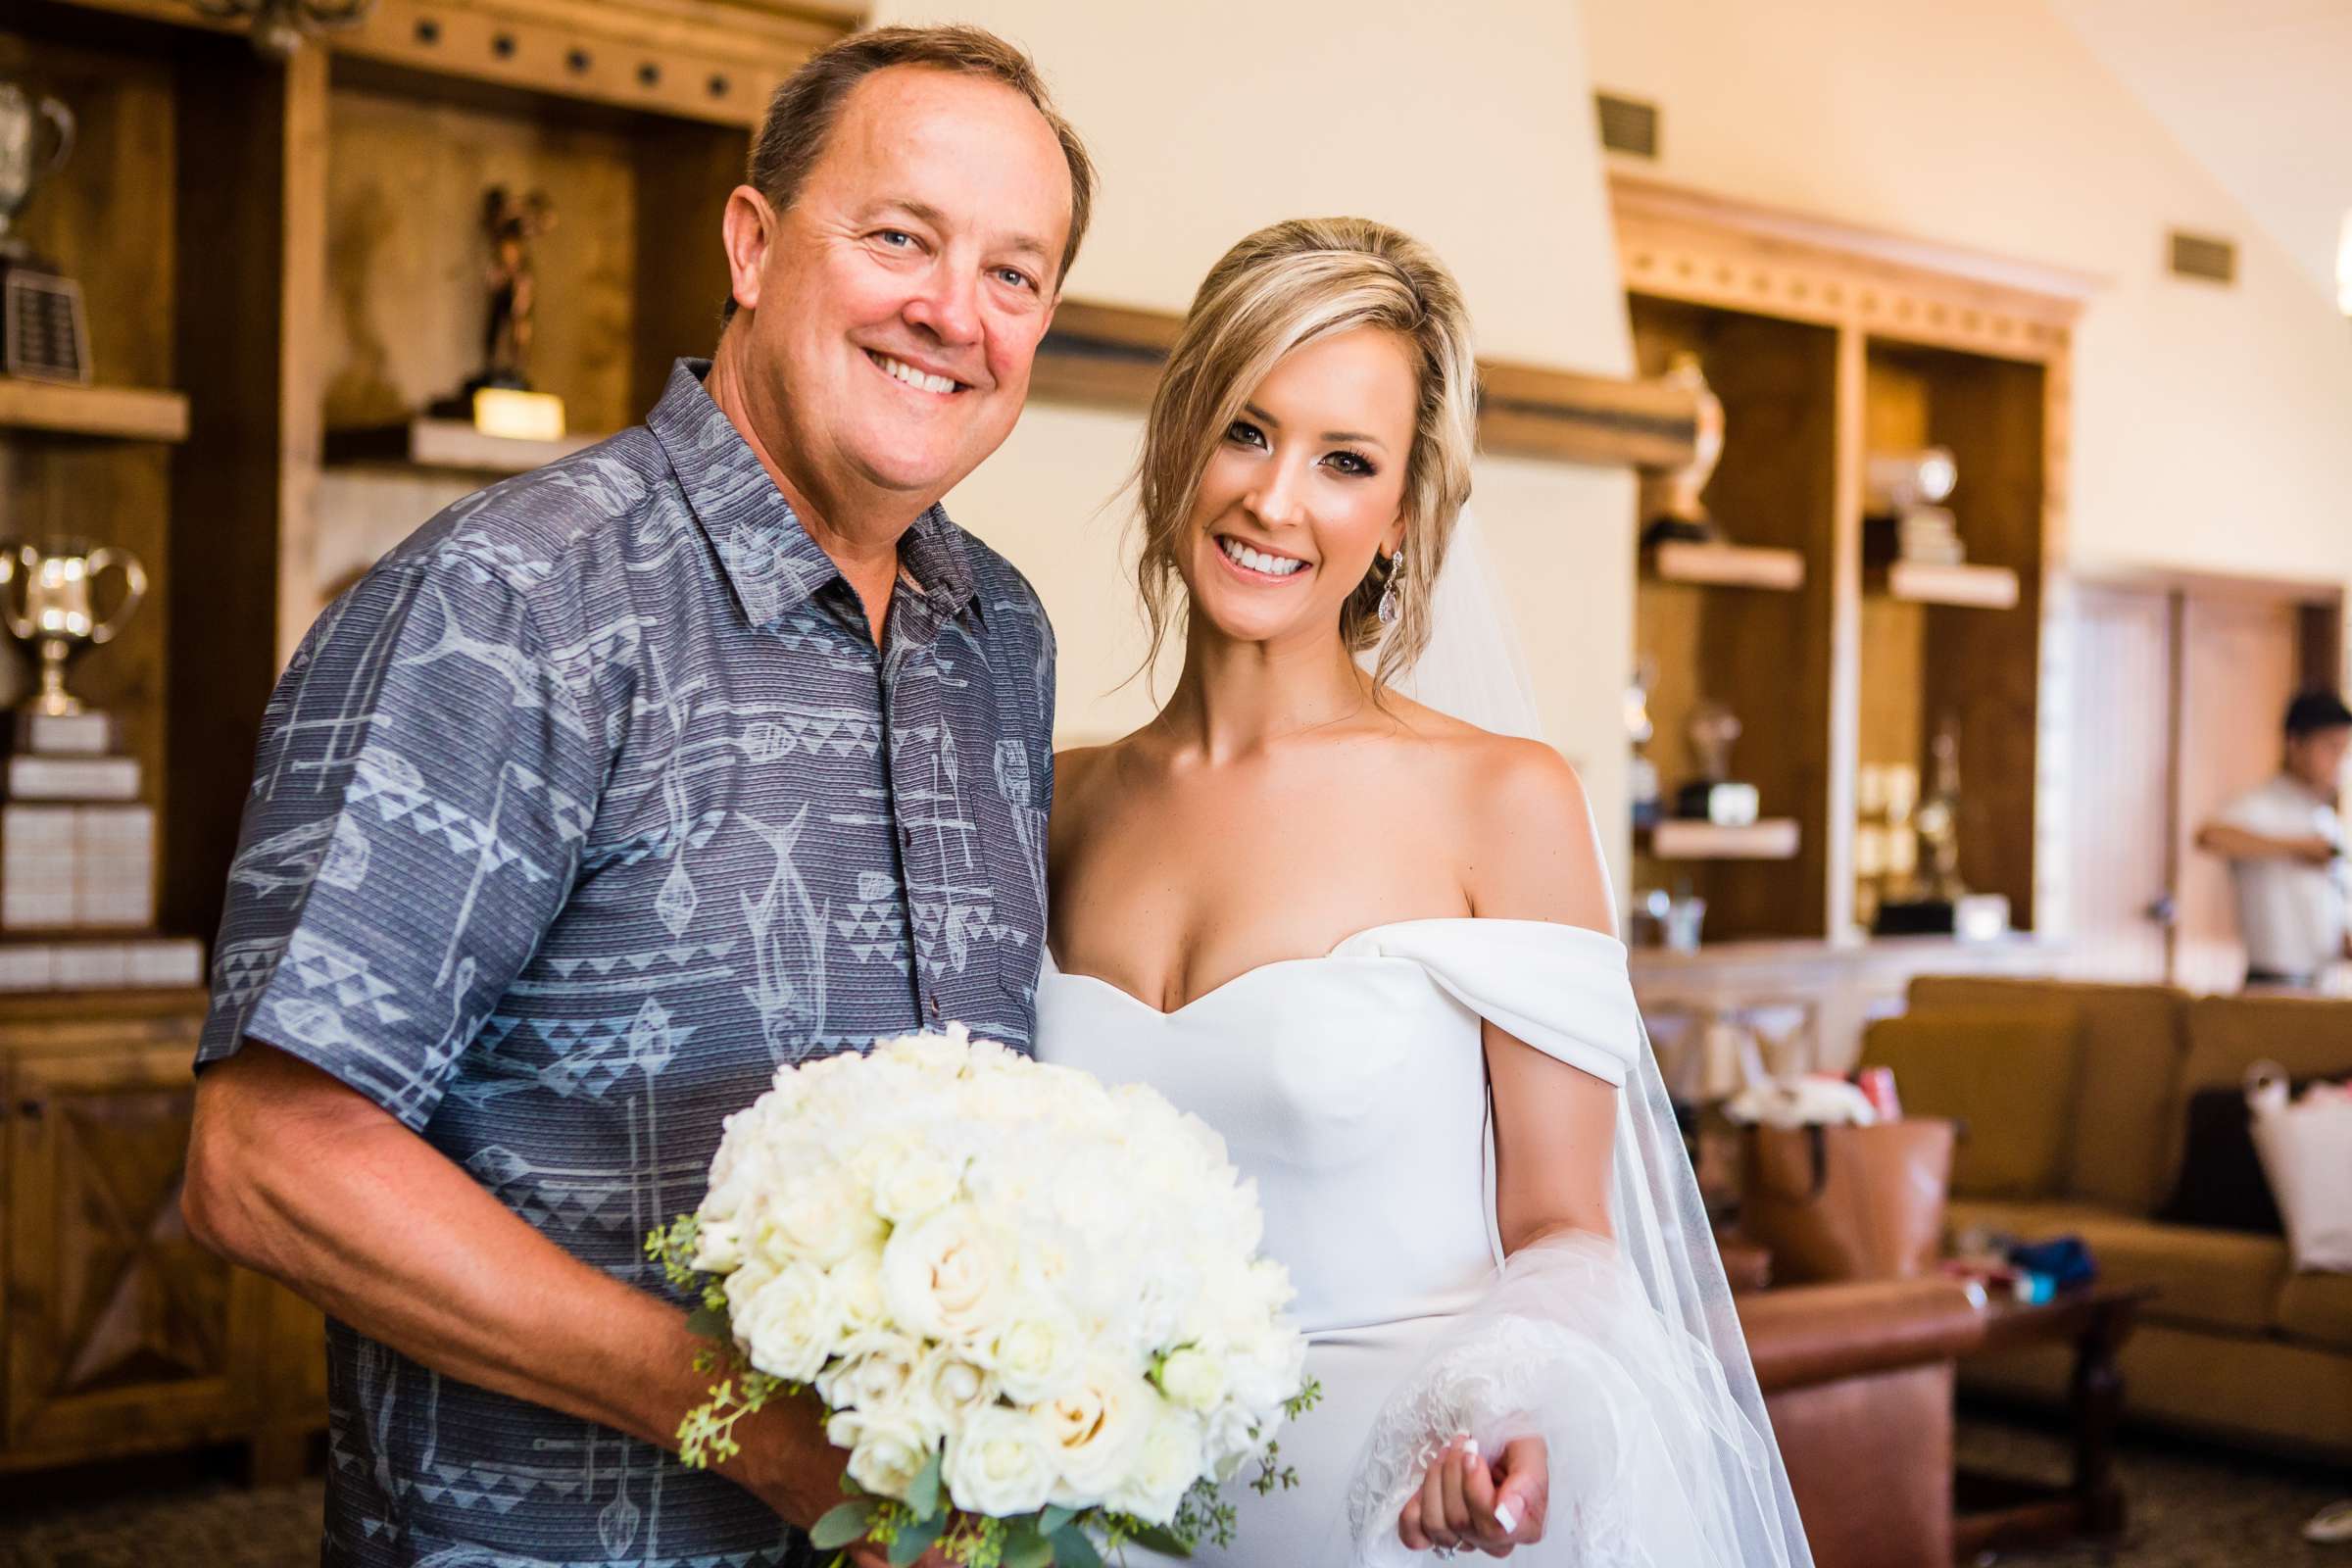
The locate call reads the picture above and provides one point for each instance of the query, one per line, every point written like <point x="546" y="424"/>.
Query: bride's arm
<point x="1534" y="856"/>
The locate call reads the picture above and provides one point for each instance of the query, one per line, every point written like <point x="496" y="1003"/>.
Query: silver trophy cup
<point x="24" y="164"/>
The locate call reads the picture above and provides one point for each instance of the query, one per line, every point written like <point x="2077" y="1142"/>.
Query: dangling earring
<point x="1389" y="608"/>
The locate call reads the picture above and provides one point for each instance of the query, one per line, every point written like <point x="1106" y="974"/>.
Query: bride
<point x="1368" y="943"/>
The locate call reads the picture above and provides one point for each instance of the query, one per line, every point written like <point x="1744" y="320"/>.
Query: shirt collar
<point x="772" y="563"/>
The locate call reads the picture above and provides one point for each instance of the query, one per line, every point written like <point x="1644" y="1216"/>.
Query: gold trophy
<point x="53" y="610"/>
<point x="500" y="399"/>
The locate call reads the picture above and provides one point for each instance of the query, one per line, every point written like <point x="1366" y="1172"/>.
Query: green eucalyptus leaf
<point x="1027" y="1548"/>
<point x="843" y="1526"/>
<point x="1049" y="1520"/>
<point x="1162" y="1539"/>
<point x="710" y="1323"/>
<point x="922" y="1496"/>
<point x="915" y="1540"/>
<point x="1073" y="1547"/>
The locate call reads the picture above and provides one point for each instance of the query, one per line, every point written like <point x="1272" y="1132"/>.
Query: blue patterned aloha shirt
<point x="590" y="804"/>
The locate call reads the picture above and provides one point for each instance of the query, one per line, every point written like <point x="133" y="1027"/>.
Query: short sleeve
<point x="425" y="777"/>
<point x="2247" y="814"/>
<point x="1561" y="989"/>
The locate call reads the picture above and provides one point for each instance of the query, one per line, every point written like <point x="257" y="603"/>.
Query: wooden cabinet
<point x="1826" y="344"/>
<point x="118" y="1334"/>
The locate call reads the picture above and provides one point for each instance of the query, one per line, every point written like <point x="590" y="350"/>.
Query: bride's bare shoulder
<point x="1083" y="775"/>
<point x="1529" y="849"/>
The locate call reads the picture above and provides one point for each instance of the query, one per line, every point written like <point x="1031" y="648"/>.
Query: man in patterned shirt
<point x="713" y="746"/>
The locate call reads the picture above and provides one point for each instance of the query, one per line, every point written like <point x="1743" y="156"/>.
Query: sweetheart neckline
<point x="1222" y="986"/>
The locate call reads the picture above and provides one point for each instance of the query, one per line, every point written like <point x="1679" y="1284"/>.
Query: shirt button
<point x="933" y="1004"/>
<point x="905" y="837"/>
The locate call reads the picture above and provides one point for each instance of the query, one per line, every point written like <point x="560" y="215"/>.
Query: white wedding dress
<point x="1353" y="1089"/>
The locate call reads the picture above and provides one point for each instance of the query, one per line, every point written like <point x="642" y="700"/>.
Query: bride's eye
<point x="1245" y="433"/>
<point x="1353" y="463"/>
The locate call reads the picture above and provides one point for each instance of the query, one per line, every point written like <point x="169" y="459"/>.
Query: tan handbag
<point x="1847" y="1202"/>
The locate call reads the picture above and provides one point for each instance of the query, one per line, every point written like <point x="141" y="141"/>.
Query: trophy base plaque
<point x="500" y="408"/>
<point x="44" y="335"/>
<point x="1723" y="804"/>
<point x="84" y="734"/>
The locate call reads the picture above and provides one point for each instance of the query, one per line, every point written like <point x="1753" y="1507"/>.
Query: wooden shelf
<point x="119" y="412"/>
<point x="1775" y="838"/>
<point x="1727" y="565"/>
<point x="448" y="444"/>
<point x="1929" y="583"/>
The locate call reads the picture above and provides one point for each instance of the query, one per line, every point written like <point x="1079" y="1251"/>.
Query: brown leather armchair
<point x="1857" y="1380"/>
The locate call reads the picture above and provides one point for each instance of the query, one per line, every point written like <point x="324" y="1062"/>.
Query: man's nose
<point x="947" y="306"/>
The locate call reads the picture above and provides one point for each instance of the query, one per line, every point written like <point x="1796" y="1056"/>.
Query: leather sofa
<point x="1857" y="1381"/>
<point x="2074" y="1101"/>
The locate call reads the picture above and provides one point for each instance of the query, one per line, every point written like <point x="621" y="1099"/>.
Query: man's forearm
<point x="2241" y="844"/>
<point x="361" y="1217"/>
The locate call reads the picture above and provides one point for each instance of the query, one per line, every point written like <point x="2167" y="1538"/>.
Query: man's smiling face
<point x="909" y="283"/>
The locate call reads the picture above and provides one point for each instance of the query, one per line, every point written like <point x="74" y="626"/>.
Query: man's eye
<point x="896" y="239"/>
<point x="1014" y="278"/>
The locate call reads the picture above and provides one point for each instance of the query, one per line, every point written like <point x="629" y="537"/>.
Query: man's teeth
<point x="914" y="377"/>
<point x="1242" y="555"/>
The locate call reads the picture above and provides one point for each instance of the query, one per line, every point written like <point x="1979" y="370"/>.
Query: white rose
<point x="1036" y="1354"/>
<point x="950" y="1388"/>
<point x="917" y="1182"/>
<point x="719" y="1247"/>
<point x="1193" y="1378"/>
<point x="858" y="1281"/>
<point x="1164" y="1469"/>
<point x="790" y="1325"/>
<point x="999" y="1465"/>
<point x="819" y="1215"/>
<point x="873" y="1372"/>
<point x="945" y="1276"/>
<point x="1266" y="1366"/>
<point x="886" y="1451"/>
<point x="1096" y="1428"/>
<point x="941" y="1053"/>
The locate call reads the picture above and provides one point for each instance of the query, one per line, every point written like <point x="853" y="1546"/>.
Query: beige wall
<point x="1472" y="131"/>
<point x="2211" y="425"/>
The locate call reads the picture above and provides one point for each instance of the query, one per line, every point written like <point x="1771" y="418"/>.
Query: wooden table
<point x="1994" y="1511"/>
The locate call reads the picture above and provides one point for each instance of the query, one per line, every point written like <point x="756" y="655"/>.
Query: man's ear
<point x="747" y="230"/>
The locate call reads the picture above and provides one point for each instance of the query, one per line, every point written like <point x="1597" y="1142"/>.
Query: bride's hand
<point x="1464" y="1503"/>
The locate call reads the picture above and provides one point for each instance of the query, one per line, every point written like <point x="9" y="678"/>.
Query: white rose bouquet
<point x="1031" y="1305"/>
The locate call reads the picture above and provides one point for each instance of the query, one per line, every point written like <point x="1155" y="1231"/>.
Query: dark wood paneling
<point x="684" y="173"/>
<point x="237" y="483"/>
<point x="1981" y="665"/>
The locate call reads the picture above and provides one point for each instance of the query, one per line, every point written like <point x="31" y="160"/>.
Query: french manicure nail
<point x="1470" y="1446"/>
<point x="1507" y="1520"/>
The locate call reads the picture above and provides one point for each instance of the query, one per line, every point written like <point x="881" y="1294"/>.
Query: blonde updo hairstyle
<point x="1280" y="290"/>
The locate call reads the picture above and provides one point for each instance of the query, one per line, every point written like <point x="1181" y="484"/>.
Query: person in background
<point x="2284" y="842"/>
